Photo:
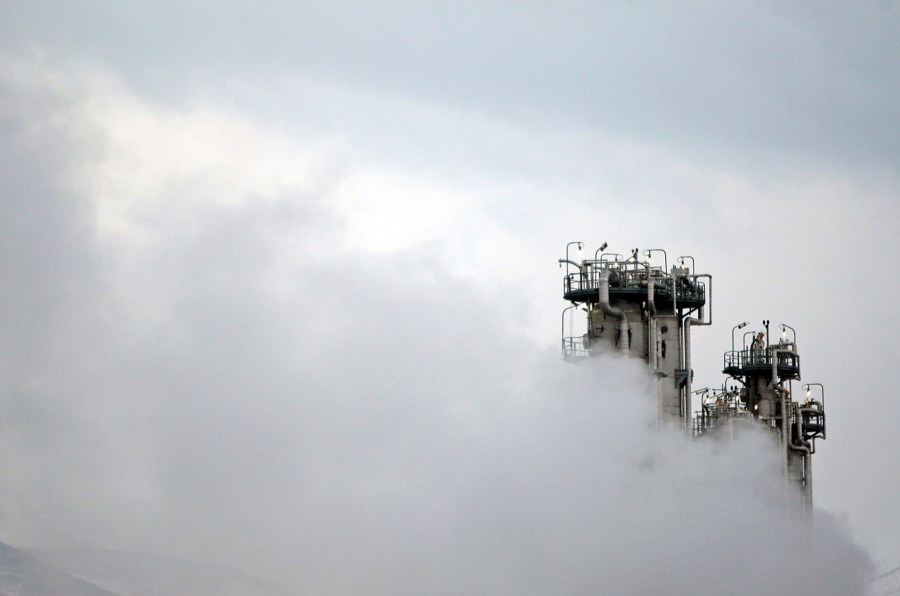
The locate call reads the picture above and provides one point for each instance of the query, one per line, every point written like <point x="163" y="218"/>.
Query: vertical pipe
<point x="686" y="331"/>
<point x="651" y="323"/>
<point x="806" y="452"/>
<point x="603" y="303"/>
<point x="688" y="321"/>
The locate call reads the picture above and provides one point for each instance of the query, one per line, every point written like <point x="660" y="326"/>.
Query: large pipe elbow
<point x="609" y="310"/>
<point x="706" y="320"/>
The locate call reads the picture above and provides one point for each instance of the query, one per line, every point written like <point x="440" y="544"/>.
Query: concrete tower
<point x="639" y="309"/>
<point x="643" y="310"/>
<point x="765" y="370"/>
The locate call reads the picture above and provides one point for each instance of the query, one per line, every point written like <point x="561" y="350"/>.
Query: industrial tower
<point x="645" y="310"/>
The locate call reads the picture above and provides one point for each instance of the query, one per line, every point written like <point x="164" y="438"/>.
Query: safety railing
<point x="715" y="407"/>
<point x="573" y="347"/>
<point x="761" y="358"/>
<point x="686" y="289"/>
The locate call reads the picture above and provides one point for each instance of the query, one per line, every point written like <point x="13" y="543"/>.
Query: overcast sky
<point x="268" y="256"/>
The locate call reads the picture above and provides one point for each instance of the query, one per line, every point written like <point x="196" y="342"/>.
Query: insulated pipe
<point x="772" y="385"/>
<point x="686" y="330"/>
<point x="803" y="447"/>
<point x="674" y="293"/>
<point x="603" y="303"/>
<point x="785" y="430"/>
<point x="708" y="297"/>
<point x="775" y="353"/>
<point x="651" y="323"/>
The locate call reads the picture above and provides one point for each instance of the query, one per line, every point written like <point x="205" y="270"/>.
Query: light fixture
<point x="735" y="328"/>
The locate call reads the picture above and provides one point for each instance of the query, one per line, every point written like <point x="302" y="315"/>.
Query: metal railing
<point x="761" y="358"/>
<point x="686" y="288"/>
<point x="573" y="347"/>
<point x="715" y="407"/>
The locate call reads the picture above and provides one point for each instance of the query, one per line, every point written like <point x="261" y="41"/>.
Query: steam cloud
<point x="343" y="424"/>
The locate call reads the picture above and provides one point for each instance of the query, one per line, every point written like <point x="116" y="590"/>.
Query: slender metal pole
<point x="735" y="328"/>
<point x="649" y="253"/>
<point x="744" y="341"/>
<point x="785" y="327"/>
<point x="580" y="246"/>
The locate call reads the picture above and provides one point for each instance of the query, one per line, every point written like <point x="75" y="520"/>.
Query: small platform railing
<point x="573" y="347"/>
<point x="741" y="362"/>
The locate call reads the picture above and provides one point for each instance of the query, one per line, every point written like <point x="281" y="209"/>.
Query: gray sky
<point x="269" y="257"/>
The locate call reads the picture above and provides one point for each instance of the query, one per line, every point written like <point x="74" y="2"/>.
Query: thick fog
<point x="220" y="384"/>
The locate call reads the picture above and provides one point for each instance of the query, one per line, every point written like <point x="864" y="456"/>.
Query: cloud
<point x="743" y="82"/>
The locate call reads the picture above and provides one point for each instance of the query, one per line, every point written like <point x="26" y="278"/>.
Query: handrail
<point x="757" y="357"/>
<point x="635" y="280"/>
<point x="573" y="347"/>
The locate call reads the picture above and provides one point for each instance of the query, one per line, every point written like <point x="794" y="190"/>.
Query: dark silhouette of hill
<point x="23" y="574"/>
<point x="128" y="573"/>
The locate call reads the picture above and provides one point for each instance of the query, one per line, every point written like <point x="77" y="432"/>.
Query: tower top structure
<point x="639" y="308"/>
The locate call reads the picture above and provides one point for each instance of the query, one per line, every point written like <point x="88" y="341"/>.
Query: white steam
<point x="227" y="389"/>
